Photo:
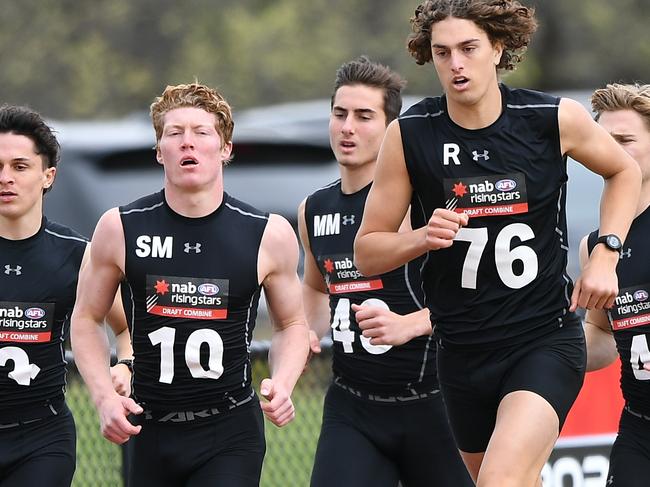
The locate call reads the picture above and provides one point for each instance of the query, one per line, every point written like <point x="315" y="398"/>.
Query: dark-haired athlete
<point x="484" y="170"/>
<point x="384" y="420"/>
<point x="39" y="266"/>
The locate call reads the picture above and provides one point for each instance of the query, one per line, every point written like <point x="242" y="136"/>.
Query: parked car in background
<point x="281" y="154"/>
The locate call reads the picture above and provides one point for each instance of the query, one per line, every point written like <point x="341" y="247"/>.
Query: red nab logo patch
<point x="187" y="297"/>
<point x="493" y="195"/>
<point x="342" y="276"/>
<point x="26" y="322"/>
<point x="631" y="308"/>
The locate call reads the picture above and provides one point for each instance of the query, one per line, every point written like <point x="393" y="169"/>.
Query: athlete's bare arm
<point x="378" y="247"/>
<point x="277" y="268"/>
<point x="601" y="346"/>
<point x="120" y="373"/>
<point x="99" y="279"/>
<point x="588" y="143"/>
<point x="314" y="290"/>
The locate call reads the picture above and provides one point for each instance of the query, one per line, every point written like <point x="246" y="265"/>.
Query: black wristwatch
<point x="128" y="362"/>
<point x="611" y="241"/>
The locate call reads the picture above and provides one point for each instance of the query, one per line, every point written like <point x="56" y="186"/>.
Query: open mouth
<point x="7" y="193"/>
<point x="460" y="81"/>
<point x="189" y="162"/>
<point x="348" y="144"/>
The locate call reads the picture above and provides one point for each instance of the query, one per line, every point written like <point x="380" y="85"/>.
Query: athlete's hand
<point x="113" y="412"/>
<point x="384" y="327"/>
<point x="278" y="408"/>
<point x="121" y="377"/>
<point x="314" y="343"/>
<point x="443" y="227"/>
<point x="597" y="287"/>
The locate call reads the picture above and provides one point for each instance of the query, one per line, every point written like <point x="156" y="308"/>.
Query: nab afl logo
<point x="208" y="289"/>
<point x="641" y="295"/>
<point x="34" y="313"/>
<point x="505" y="185"/>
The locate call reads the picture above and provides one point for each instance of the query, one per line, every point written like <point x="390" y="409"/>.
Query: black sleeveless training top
<point x="38" y="284"/>
<point x="504" y="279"/>
<point x="195" y="290"/>
<point x="333" y="219"/>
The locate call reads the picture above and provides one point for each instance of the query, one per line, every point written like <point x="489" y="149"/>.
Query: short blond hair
<point x="193" y="95"/>
<point x="623" y="97"/>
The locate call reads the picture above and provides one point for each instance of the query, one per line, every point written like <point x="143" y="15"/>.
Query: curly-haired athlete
<point x="484" y="170"/>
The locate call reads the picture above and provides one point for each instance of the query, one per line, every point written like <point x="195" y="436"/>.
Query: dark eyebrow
<point x="356" y="110"/>
<point x="460" y="44"/>
<point x="618" y="136"/>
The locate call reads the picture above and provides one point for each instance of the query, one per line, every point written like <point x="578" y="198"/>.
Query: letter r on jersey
<point x="450" y="152"/>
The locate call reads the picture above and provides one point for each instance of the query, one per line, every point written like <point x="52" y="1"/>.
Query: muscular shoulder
<point x="279" y="247"/>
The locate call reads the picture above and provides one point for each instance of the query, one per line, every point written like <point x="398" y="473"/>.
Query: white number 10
<point x="165" y="337"/>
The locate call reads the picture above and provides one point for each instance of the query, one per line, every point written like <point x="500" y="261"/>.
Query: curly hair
<point x="193" y="95"/>
<point x="622" y="97"/>
<point x="363" y="71"/>
<point x="506" y="22"/>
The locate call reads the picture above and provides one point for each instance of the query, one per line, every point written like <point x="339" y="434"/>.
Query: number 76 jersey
<point x="333" y="219"/>
<point x="503" y="281"/>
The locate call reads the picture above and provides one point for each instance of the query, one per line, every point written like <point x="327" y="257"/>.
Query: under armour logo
<point x="16" y="270"/>
<point x="348" y="220"/>
<point x="478" y="156"/>
<point x="196" y="248"/>
<point x="610" y="480"/>
<point x="627" y="253"/>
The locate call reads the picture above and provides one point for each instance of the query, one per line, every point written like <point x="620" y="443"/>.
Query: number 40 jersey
<point x="332" y="220"/>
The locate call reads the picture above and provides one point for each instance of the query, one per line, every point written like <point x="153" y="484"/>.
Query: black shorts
<point x="474" y="383"/>
<point x="629" y="461"/>
<point x="225" y="450"/>
<point x="39" y="452"/>
<point x="366" y="443"/>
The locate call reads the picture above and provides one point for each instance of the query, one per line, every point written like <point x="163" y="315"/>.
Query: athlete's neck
<point x="22" y="227"/>
<point x="480" y="114"/>
<point x="193" y="204"/>
<point x="355" y="178"/>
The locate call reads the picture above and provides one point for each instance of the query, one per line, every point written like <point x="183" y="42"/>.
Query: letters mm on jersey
<point x="26" y="322"/>
<point x="631" y="308"/>
<point x="187" y="297"/>
<point x="342" y="276"/>
<point x="493" y="195"/>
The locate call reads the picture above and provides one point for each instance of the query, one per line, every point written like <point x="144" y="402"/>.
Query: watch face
<point x="613" y="242"/>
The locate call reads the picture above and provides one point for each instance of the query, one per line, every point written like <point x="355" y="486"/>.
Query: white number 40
<point x="341" y="327"/>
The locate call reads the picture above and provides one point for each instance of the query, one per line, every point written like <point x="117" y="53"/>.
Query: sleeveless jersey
<point x="38" y="284"/>
<point x="630" y="316"/>
<point x="333" y="219"/>
<point x="504" y="280"/>
<point x="195" y="291"/>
